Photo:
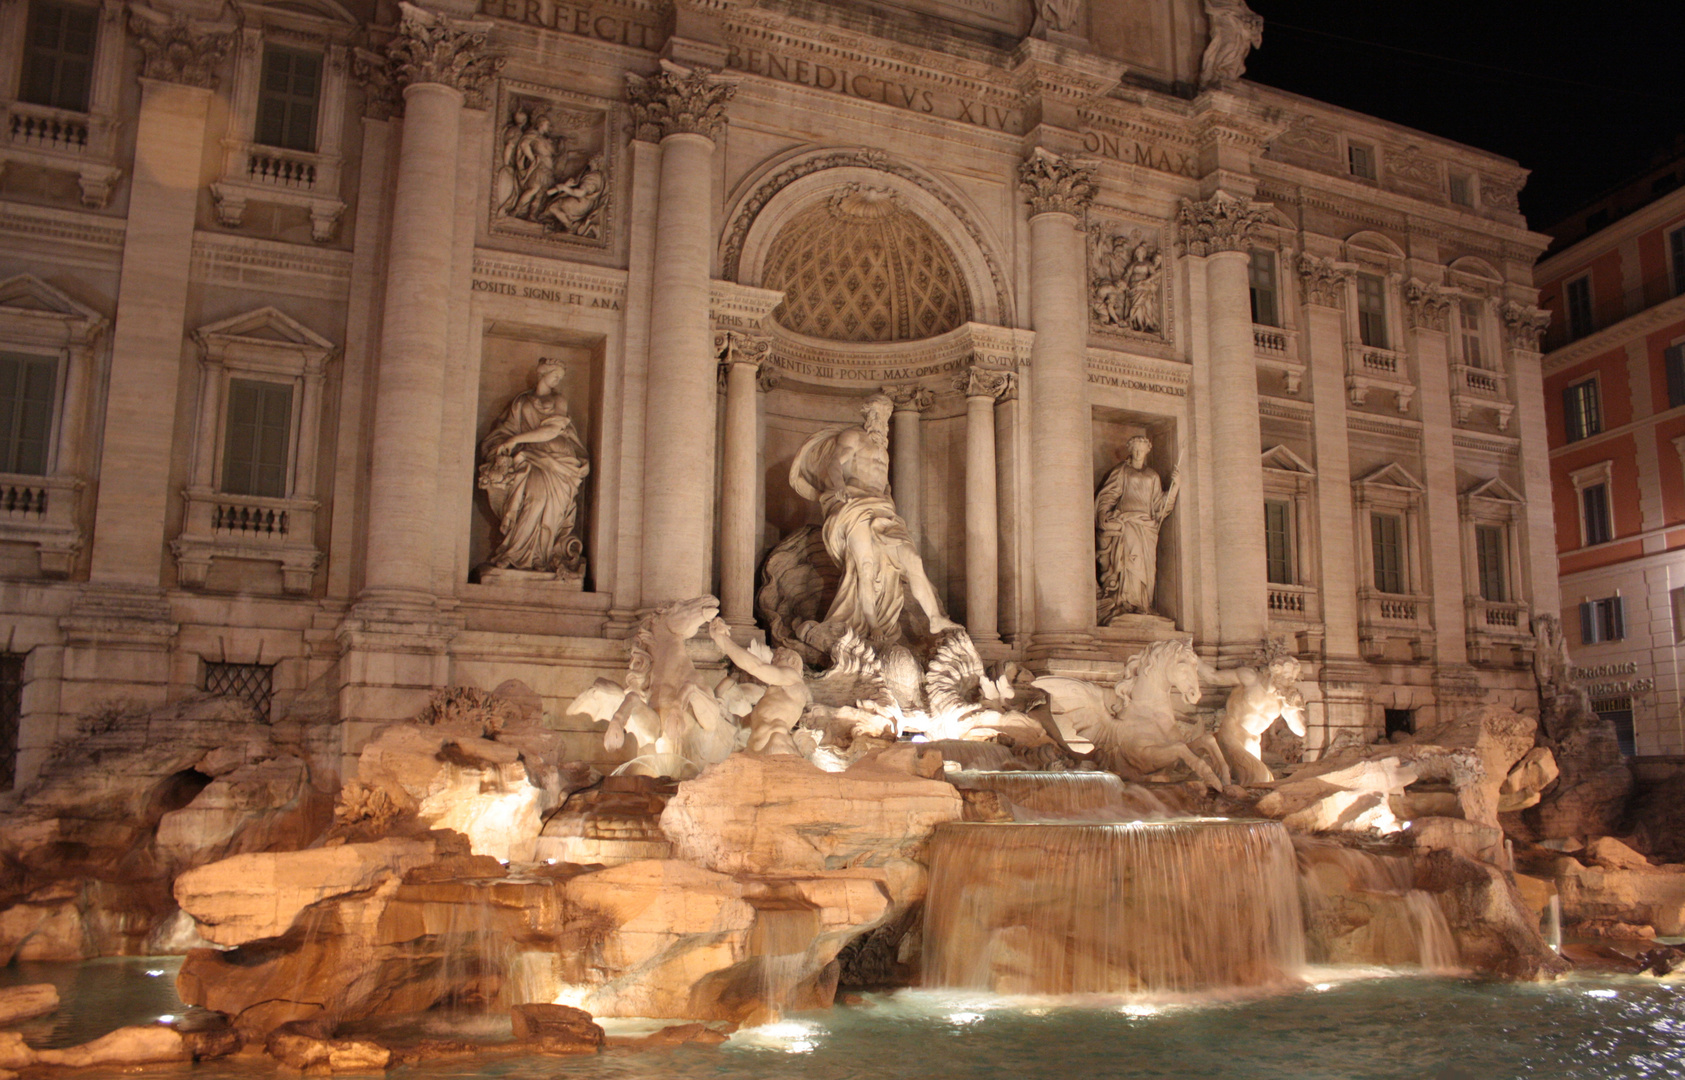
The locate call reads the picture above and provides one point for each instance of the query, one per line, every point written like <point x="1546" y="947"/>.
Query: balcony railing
<point x="267" y="165"/>
<point x="220" y="525"/>
<point x="41" y="511"/>
<point x="1647" y="295"/>
<point x="1369" y="368"/>
<point x="39" y="128"/>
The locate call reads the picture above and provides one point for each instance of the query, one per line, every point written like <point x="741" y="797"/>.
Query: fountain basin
<point x="1168" y="907"/>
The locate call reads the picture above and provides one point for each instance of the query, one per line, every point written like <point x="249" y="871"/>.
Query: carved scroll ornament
<point x="1427" y="306"/>
<point x="431" y="48"/>
<point x="1054" y="185"/>
<point x="1324" y="281"/>
<point x="1523" y="325"/>
<point x="1220" y="223"/>
<point x="676" y="101"/>
<point x="910" y="398"/>
<point x="178" y="50"/>
<point x="733" y="347"/>
<point x="986" y="383"/>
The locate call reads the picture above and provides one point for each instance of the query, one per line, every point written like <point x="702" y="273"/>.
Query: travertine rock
<point x="1494" y="930"/>
<point x="781" y="815"/>
<point x="14" y="1052"/>
<point x="1527" y="780"/>
<point x="46" y="925"/>
<point x="1650" y="896"/>
<point x="1658" y="817"/>
<point x="250" y="897"/>
<point x="147" y="1045"/>
<point x="302" y="1047"/>
<point x="258" y="806"/>
<point x="27" y="1002"/>
<point x="556" y="1029"/>
<point x="1590" y="796"/>
<point x="1611" y="854"/>
<point x="450" y="777"/>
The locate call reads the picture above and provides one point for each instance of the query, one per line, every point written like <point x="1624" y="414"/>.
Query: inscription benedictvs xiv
<point x="583" y="20"/>
<point x="852" y="82"/>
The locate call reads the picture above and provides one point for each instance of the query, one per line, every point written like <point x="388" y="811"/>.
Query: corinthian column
<point x="1216" y="233"/>
<point x="1061" y="426"/>
<point x="742" y="359"/>
<point x="1523" y="324"/>
<point x="982" y="387"/>
<point x="435" y="60"/>
<point x="685" y="111"/>
<point x="906" y="447"/>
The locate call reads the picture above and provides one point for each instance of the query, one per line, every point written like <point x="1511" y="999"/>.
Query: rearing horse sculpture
<point x="1135" y="722"/>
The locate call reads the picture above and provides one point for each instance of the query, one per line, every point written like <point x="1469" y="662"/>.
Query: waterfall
<point x="1163" y="907"/>
<point x="1362" y="907"/>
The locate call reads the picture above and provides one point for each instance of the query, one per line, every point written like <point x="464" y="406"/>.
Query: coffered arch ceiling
<point x="861" y="266"/>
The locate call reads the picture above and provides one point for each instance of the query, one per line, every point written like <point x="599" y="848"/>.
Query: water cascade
<point x="1139" y="907"/>
<point x="1043" y="796"/>
<point x="1362" y="907"/>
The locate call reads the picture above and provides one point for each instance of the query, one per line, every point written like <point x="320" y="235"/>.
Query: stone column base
<point x="393" y="656"/>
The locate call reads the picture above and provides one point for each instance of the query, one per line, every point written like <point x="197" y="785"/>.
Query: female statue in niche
<point x="533" y="463"/>
<point x="1128" y="512"/>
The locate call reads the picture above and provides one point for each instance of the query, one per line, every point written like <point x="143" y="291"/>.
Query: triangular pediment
<point x="1393" y="475"/>
<point x="1494" y="490"/>
<point x="26" y="292"/>
<point x="269" y="325"/>
<point x="1282" y="459"/>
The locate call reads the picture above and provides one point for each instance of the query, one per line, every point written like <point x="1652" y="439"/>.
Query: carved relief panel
<point x="552" y="167"/>
<point x="1128" y="289"/>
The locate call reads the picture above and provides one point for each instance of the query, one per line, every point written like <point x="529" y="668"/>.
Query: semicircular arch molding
<point x="786" y="189"/>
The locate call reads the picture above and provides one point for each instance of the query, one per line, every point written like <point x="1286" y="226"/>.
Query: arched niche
<point x="769" y="201"/>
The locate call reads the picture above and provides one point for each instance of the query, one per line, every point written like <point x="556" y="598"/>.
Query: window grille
<point x="11" y="716"/>
<point x="1618" y="711"/>
<point x="252" y="683"/>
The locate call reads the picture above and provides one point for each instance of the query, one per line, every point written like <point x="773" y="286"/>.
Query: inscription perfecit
<point x="579" y="19"/>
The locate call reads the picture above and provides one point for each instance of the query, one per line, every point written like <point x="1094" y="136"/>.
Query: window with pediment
<point x="1393" y="607"/>
<point x="48" y="344"/>
<point x="1494" y="588"/>
<point x="251" y="494"/>
<point x="862" y="267"/>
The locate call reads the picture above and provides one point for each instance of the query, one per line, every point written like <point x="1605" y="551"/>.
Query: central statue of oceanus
<point x="846" y="470"/>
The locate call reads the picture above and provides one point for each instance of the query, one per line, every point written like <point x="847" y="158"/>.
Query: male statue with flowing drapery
<point x="846" y="470"/>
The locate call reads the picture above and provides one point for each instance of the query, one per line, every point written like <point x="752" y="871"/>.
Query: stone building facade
<point x="1615" y="402"/>
<point x="270" y="273"/>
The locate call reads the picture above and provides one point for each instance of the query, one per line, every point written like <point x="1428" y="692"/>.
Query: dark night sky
<point x="1583" y="92"/>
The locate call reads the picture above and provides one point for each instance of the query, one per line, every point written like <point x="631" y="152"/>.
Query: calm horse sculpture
<point x="1135" y="723"/>
<point x="680" y="723"/>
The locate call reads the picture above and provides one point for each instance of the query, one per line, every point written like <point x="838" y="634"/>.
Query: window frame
<point x="1673" y="245"/>
<point x="1593" y="477"/>
<point x="1372" y="323"/>
<point x="1268" y="259"/>
<point x="1381" y="521"/>
<point x="1289" y="572"/>
<point x="1289" y="479"/>
<point x="85" y="97"/>
<point x="83" y="142"/>
<point x="227" y="445"/>
<point x="1354" y="147"/>
<point x="1577" y="424"/>
<point x="1579" y="319"/>
<point x="1673" y="367"/>
<point x="55" y="408"/>
<point x="1603" y="620"/>
<point x="1470" y="197"/>
<point x="288" y="99"/>
<point x="1483" y="357"/>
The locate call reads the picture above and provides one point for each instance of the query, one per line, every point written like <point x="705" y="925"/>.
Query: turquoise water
<point x="1380" y="1028"/>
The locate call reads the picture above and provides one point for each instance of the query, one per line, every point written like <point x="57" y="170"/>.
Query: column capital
<point x="1221" y="223"/>
<point x="677" y="101"/>
<point x="1523" y="325"/>
<point x="1324" y="280"/>
<point x="430" y="48"/>
<point x="1055" y="185"/>
<point x="733" y="347"/>
<point x="176" y="49"/>
<point x="984" y="382"/>
<point x="910" y="398"/>
<point x="1426" y="307"/>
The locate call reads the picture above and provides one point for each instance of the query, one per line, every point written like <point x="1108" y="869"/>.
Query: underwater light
<point x="963" y="1018"/>
<point x="1601" y="993"/>
<point x="1320" y="987"/>
<point x="1137" y="1009"/>
<point x="167" y="1018"/>
<point x="154" y="972"/>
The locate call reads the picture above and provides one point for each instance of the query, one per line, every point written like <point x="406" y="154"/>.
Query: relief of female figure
<point x="533" y="465"/>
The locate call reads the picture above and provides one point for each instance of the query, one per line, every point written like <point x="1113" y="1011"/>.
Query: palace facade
<point x="270" y="272"/>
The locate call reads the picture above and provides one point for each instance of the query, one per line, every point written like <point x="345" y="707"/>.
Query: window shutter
<point x="1617" y="618"/>
<point x="1588" y="624"/>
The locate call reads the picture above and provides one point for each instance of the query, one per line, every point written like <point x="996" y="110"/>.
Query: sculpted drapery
<point x="1128" y="513"/>
<point x="534" y="464"/>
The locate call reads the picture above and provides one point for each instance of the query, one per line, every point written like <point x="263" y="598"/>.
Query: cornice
<point x="1483" y="442"/>
<point x="1616" y="336"/>
<point x="1132" y="371"/>
<point x="244" y="262"/>
<point x="1281" y="408"/>
<point x="1664" y="211"/>
<point x="75" y="228"/>
<point x="1390" y="427"/>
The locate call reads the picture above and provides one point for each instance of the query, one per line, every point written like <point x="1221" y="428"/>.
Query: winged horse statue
<point x="1134" y="723"/>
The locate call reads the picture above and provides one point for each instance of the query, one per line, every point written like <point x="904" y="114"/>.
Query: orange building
<point x="1615" y="408"/>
